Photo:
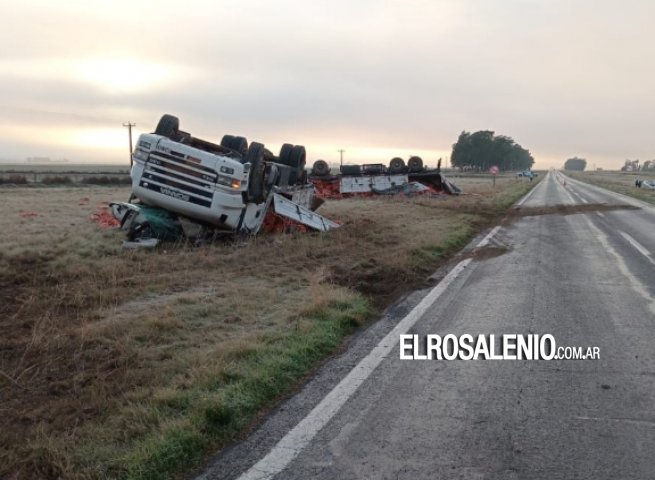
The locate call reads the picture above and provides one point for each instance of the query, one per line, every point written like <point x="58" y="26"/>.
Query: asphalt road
<point x="587" y="279"/>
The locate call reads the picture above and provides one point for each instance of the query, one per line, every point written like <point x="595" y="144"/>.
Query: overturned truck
<point x="186" y="186"/>
<point x="377" y="178"/>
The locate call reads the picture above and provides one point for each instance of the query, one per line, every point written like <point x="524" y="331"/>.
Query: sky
<point x="376" y="78"/>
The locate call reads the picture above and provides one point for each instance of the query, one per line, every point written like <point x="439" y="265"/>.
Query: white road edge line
<point x="529" y="194"/>
<point x="635" y="282"/>
<point x="485" y="241"/>
<point x="290" y="446"/>
<point x="577" y="195"/>
<point x="638" y="246"/>
<point x="297" y="439"/>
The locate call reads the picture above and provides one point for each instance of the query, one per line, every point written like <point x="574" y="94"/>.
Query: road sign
<point x="494" y="171"/>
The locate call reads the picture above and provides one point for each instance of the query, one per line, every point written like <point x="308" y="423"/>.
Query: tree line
<point x="481" y="150"/>
<point x="575" y="163"/>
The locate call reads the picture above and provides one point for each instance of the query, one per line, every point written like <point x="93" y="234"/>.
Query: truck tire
<point x="240" y="144"/>
<point x="415" y="164"/>
<point x="373" y="169"/>
<point x="320" y="168"/>
<point x="168" y="125"/>
<point x="227" y="141"/>
<point x="353" y="170"/>
<point x="255" y="157"/>
<point x="297" y="160"/>
<point x="285" y="152"/>
<point x="396" y="165"/>
<point x="297" y="157"/>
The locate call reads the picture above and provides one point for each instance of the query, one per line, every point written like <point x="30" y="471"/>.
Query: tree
<point x="575" y="163"/>
<point x="481" y="150"/>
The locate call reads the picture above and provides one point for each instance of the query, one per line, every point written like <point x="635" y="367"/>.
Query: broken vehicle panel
<point x="286" y="208"/>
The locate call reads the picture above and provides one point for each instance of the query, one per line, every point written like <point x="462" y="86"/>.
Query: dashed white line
<point x="635" y="282"/>
<point x="638" y="246"/>
<point x="568" y="194"/>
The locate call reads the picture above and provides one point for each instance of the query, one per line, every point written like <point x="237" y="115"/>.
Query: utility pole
<point x="341" y="150"/>
<point x="129" y="126"/>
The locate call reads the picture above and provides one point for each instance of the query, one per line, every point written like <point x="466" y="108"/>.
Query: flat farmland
<point x="138" y="364"/>
<point x="621" y="182"/>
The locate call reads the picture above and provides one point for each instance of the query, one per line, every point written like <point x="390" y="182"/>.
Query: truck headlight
<point x="236" y="184"/>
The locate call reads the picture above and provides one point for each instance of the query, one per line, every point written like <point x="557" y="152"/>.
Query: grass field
<point x="66" y="167"/>
<point x="622" y="182"/>
<point x="51" y="173"/>
<point x="138" y="364"/>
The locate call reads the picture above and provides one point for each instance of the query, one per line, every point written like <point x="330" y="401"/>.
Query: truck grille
<point x="175" y="176"/>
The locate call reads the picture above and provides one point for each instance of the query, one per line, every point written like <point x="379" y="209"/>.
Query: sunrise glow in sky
<point x="376" y="78"/>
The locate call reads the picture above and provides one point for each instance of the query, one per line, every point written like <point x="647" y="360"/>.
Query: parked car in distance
<point x="527" y="173"/>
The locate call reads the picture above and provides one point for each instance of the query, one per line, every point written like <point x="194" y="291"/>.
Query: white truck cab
<point x="226" y="185"/>
<point x="203" y="185"/>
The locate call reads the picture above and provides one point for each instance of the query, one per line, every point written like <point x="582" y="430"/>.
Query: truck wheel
<point x="240" y="144"/>
<point x="168" y="125"/>
<point x="396" y="165"/>
<point x="255" y="157"/>
<point x="320" y="168"/>
<point x="297" y="160"/>
<point x="298" y="157"/>
<point x="227" y="141"/>
<point x="415" y="164"/>
<point x="285" y="152"/>
<point x="268" y="155"/>
<point x="351" y="170"/>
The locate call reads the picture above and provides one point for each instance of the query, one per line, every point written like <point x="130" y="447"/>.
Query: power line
<point x="129" y="126"/>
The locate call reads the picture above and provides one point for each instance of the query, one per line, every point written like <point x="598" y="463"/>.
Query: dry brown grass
<point x="93" y="336"/>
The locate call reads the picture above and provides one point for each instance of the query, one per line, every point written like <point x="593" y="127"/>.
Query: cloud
<point x="561" y="78"/>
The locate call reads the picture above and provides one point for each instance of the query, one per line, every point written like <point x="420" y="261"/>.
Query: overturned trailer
<point x="377" y="178"/>
<point x="186" y="185"/>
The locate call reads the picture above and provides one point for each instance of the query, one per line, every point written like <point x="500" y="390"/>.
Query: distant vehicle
<point x="527" y="173"/>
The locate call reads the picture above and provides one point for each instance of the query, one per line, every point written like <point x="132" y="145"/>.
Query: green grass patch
<point x="458" y="236"/>
<point x="188" y="424"/>
<point x="511" y="196"/>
